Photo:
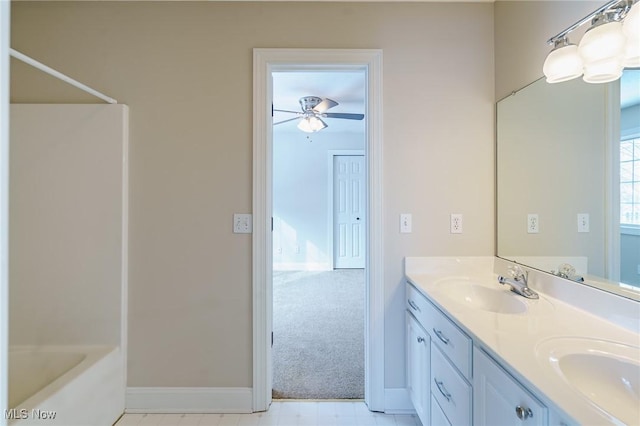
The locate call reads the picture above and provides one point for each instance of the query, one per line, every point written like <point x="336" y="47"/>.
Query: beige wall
<point x="522" y="29"/>
<point x="185" y="71"/>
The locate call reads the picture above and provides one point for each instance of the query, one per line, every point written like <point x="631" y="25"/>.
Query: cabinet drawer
<point x="437" y="415"/>
<point x="450" y="390"/>
<point x="453" y="342"/>
<point x="417" y="304"/>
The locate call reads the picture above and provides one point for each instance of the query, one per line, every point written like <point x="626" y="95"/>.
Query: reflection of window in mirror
<point x="630" y="177"/>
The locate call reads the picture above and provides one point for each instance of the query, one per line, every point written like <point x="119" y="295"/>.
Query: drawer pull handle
<point x="420" y="339"/>
<point x="442" y="389"/>
<point x="413" y="305"/>
<point x="523" y="413"/>
<point x="441" y="336"/>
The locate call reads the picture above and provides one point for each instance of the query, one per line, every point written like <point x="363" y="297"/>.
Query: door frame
<point x="265" y="61"/>
<point x="330" y="185"/>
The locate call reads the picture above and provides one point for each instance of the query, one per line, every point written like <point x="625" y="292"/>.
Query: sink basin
<point x="478" y="296"/>
<point x="606" y="373"/>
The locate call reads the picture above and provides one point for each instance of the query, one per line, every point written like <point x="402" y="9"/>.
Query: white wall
<point x="301" y="197"/>
<point x="67" y="218"/>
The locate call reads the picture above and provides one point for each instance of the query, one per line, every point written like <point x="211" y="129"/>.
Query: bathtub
<point x="65" y="385"/>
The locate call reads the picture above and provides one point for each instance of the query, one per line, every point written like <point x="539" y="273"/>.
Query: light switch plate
<point x="405" y="223"/>
<point x="242" y="223"/>
<point x="583" y="222"/>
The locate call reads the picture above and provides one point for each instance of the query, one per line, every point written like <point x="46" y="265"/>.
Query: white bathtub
<point x="65" y="385"/>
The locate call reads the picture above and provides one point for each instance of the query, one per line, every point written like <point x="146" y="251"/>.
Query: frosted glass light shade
<point x="603" y="71"/>
<point x="563" y="63"/>
<point x="602" y="51"/>
<point x="631" y="25"/>
<point x="632" y="52"/>
<point x="631" y="29"/>
<point x="311" y="124"/>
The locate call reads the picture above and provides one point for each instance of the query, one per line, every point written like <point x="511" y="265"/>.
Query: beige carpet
<point x="318" y="325"/>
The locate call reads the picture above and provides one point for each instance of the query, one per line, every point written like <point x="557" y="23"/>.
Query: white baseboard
<point x="397" y="401"/>
<point x="189" y="400"/>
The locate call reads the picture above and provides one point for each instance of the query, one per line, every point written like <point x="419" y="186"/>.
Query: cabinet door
<point x="418" y="367"/>
<point x="498" y="399"/>
<point x="437" y="415"/>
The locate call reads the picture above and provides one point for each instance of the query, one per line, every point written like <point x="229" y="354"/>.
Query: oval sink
<point x="606" y="373"/>
<point x="477" y="296"/>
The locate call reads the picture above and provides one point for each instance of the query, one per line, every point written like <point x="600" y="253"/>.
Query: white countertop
<point x="514" y="338"/>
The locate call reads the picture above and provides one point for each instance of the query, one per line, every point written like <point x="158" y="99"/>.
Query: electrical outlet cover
<point x="456" y="223"/>
<point x="533" y="223"/>
<point x="242" y="223"/>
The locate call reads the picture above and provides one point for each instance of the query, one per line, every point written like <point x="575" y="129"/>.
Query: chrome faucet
<point x="518" y="282"/>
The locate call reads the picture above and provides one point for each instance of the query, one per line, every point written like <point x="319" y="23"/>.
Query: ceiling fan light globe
<point x="311" y="124"/>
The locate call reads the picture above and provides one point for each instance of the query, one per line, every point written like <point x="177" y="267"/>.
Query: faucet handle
<point x="517" y="273"/>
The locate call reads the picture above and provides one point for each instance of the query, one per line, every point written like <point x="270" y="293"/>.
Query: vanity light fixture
<point x="610" y="44"/>
<point x="563" y="62"/>
<point x="631" y="29"/>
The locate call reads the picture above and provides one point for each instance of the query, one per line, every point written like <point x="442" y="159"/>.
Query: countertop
<point x="515" y="339"/>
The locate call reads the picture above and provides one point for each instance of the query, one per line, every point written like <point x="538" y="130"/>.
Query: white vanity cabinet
<point x="499" y="399"/>
<point x="418" y="367"/>
<point x="442" y="391"/>
<point x="453" y="382"/>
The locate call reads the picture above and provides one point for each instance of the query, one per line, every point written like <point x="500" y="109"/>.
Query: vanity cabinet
<point x="418" y="366"/>
<point x="499" y="399"/>
<point x="453" y="382"/>
<point x="445" y="392"/>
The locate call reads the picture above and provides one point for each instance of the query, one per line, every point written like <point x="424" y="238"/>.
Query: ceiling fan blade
<point x="286" y="110"/>
<point x="346" y="115"/>
<point x="286" y="121"/>
<point x="325" y="105"/>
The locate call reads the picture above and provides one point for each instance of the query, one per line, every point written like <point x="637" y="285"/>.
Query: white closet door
<point x="349" y="210"/>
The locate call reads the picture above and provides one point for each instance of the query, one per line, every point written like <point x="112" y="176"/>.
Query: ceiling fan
<point x="313" y="111"/>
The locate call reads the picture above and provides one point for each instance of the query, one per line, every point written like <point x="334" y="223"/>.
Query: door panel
<point x="349" y="211"/>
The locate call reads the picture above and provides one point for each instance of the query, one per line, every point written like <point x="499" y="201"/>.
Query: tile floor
<point x="281" y="413"/>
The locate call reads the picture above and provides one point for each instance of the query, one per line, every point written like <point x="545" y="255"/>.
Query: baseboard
<point x="188" y="400"/>
<point x="397" y="401"/>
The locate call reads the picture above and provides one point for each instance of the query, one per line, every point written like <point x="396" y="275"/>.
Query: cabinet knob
<point x="420" y="339"/>
<point x="523" y="413"/>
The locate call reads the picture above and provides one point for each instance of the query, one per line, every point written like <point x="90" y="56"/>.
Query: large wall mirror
<point x="568" y="181"/>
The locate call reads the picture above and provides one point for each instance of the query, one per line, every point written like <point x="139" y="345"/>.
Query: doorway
<point x="265" y="62"/>
<point x="319" y="246"/>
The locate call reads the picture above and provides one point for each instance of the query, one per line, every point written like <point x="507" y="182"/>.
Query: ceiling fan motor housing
<point x="309" y="102"/>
